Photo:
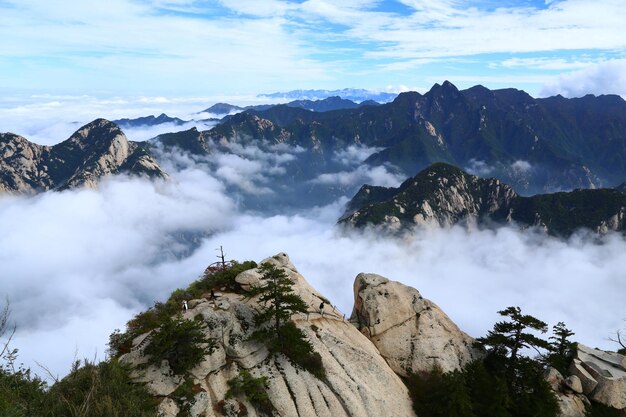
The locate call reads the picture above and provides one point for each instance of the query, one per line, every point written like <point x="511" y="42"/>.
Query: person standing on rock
<point x="322" y="308"/>
<point x="185" y="307"/>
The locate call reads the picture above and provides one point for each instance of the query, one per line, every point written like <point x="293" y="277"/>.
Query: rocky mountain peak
<point x="97" y="149"/>
<point x="412" y="333"/>
<point x="358" y="381"/>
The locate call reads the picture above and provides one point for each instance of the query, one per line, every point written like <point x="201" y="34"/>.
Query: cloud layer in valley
<point x="78" y="264"/>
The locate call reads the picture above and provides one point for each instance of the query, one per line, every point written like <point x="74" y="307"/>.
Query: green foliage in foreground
<point x="484" y="389"/>
<point x="21" y="393"/>
<point x="100" y="390"/>
<point x="89" y="390"/>
<point x="254" y="389"/>
<point x="181" y="342"/>
<point x="504" y="384"/>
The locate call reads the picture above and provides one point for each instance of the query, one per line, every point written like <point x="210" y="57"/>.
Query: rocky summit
<point x="363" y="368"/>
<point x="393" y="333"/>
<point x="443" y="195"/>
<point x="95" y="150"/>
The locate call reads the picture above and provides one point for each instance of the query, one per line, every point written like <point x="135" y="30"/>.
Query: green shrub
<point x="181" y="342"/>
<point x="484" y="390"/>
<point x="99" y="390"/>
<point x="120" y="343"/>
<point x="184" y="396"/>
<point x="436" y="394"/>
<point x="21" y="393"/>
<point x="296" y="347"/>
<point x="222" y="278"/>
<point x="254" y="389"/>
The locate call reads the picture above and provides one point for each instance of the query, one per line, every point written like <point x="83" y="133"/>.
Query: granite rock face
<point x="412" y="333"/>
<point x="608" y="370"/>
<point x="96" y="150"/>
<point x="358" y="380"/>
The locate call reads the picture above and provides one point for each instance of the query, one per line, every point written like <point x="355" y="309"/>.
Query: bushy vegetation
<point x="254" y="389"/>
<point x="121" y="342"/>
<point x="89" y="390"/>
<point x="505" y="384"/>
<point x="274" y="326"/>
<point x="181" y="342"/>
<point x="99" y="390"/>
<point x="21" y="393"/>
<point x="560" y="350"/>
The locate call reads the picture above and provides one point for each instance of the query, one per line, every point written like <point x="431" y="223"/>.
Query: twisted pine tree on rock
<point x="509" y="337"/>
<point x="274" y="325"/>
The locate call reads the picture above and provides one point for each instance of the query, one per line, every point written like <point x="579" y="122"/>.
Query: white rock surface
<point x="411" y="333"/>
<point x="358" y="380"/>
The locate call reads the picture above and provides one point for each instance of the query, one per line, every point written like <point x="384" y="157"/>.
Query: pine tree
<point x="561" y="348"/>
<point x="280" y="301"/>
<point x="508" y="337"/>
<point x="274" y="325"/>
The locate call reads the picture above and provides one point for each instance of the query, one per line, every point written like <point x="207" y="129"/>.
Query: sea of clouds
<point x="77" y="264"/>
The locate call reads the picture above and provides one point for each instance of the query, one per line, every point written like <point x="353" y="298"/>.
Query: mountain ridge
<point x="444" y="195"/>
<point x="95" y="150"/>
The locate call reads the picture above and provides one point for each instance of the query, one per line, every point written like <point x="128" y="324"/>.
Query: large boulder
<point x="609" y="370"/>
<point x="411" y="332"/>
<point x="358" y="381"/>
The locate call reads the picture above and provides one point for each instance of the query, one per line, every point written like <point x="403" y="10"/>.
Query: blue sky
<point x="238" y="47"/>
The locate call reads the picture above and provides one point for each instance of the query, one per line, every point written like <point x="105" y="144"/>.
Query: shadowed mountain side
<point x="536" y="145"/>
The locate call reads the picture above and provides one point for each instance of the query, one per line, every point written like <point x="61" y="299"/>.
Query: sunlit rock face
<point x="412" y="333"/>
<point x="96" y="150"/>
<point x="358" y="382"/>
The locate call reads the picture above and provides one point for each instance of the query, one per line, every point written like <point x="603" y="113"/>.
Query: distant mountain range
<point x="355" y="94"/>
<point x="443" y="195"/>
<point x="149" y="121"/>
<point x="536" y="145"/>
<point x="327" y="104"/>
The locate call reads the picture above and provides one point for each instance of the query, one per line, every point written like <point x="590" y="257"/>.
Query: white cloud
<point x="479" y="168"/>
<point x="78" y="264"/>
<point x="543" y="63"/>
<point x="378" y="175"/>
<point x="607" y="77"/>
<point x="521" y="166"/>
<point x="354" y="154"/>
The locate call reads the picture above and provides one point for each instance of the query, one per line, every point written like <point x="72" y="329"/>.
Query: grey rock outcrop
<point x="571" y="404"/>
<point x="96" y="150"/>
<point x="573" y="382"/>
<point x="608" y="370"/>
<point x="358" y="381"/>
<point x="412" y="333"/>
